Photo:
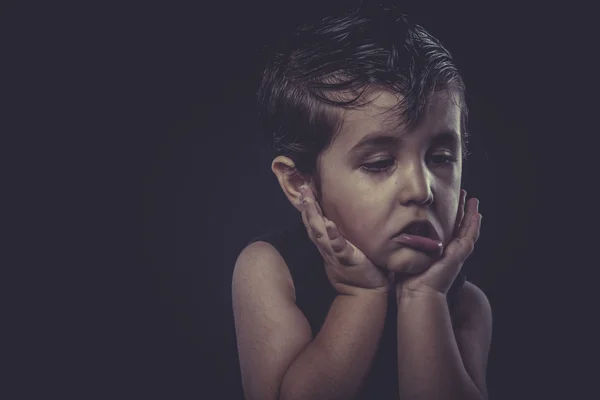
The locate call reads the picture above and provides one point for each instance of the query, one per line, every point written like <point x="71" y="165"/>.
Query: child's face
<point x="371" y="207"/>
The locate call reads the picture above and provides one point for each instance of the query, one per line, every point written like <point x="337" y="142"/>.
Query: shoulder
<point x="270" y="329"/>
<point x="473" y="332"/>
<point x="473" y="308"/>
<point x="259" y="264"/>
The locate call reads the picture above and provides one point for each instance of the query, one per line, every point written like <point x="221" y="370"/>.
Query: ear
<point x="289" y="179"/>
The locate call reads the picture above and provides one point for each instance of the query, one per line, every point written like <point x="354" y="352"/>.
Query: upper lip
<point x="424" y="223"/>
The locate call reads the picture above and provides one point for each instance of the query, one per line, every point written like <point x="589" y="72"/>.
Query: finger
<point x="468" y="227"/>
<point x="340" y="246"/>
<point x="461" y="211"/>
<point x="475" y="228"/>
<point x="319" y="209"/>
<point x="471" y="210"/>
<point x="466" y="244"/>
<point x="462" y="246"/>
<point x="304" y="212"/>
<point x="315" y="222"/>
<point x="304" y="218"/>
<point x="338" y="243"/>
<point x="321" y="244"/>
<point x="310" y="193"/>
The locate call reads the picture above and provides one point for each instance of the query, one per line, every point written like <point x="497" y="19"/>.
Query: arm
<point x="473" y="331"/>
<point x="278" y="358"/>
<point x="435" y="362"/>
<point x="334" y="365"/>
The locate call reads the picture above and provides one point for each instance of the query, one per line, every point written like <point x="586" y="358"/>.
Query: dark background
<point x="140" y="173"/>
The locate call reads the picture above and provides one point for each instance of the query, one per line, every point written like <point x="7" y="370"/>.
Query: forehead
<point x="442" y="114"/>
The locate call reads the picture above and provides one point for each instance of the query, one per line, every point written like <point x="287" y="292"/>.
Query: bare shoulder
<point x="270" y="329"/>
<point x="261" y="264"/>
<point x="472" y="307"/>
<point x="473" y="332"/>
<point x="260" y="260"/>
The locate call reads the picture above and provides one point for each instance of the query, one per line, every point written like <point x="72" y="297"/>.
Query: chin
<point x="409" y="261"/>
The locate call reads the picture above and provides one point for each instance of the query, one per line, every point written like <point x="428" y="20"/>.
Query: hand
<point x="348" y="269"/>
<point x="438" y="278"/>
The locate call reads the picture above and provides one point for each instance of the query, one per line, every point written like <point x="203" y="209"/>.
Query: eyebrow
<point x="384" y="139"/>
<point x="450" y="137"/>
<point x="376" y="139"/>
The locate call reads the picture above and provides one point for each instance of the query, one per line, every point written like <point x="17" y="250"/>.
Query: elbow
<point x="465" y="390"/>
<point x="286" y="390"/>
<point x="290" y="391"/>
<point x="474" y="393"/>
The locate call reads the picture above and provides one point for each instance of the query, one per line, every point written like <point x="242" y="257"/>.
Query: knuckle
<point x="338" y="247"/>
<point x="335" y="248"/>
<point x="469" y="246"/>
<point x="346" y="256"/>
<point x="344" y="259"/>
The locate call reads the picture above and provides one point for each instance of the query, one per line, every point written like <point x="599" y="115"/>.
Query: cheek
<point x="355" y="212"/>
<point x="448" y="213"/>
<point x="448" y="195"/>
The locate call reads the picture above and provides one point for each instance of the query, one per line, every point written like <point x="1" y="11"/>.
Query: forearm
<point x="335" y="363"/>
<point x="429" y="362"/>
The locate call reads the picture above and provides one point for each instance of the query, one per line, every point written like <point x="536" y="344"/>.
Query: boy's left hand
<point x="438" y="278"/>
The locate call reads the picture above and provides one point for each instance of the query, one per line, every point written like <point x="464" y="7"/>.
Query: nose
<point x="415" y="185"/>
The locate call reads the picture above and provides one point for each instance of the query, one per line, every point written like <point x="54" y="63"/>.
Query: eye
<point x="378" y="166"/>
<point x="445" y="158"/>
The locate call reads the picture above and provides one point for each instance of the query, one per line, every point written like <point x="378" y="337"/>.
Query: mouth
<point x="422" y="228"/>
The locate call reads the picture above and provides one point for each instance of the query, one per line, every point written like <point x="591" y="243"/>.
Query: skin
<point x="368" y="197"/>
<point x="373" y="193"/>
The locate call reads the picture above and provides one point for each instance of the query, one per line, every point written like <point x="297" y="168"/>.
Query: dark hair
<point x="310" y="74"/>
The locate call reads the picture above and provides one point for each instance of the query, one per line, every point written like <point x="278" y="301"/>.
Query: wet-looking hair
<point x="326" y="66"/>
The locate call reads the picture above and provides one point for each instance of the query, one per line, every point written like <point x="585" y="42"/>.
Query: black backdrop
<point x="144" y="174"/>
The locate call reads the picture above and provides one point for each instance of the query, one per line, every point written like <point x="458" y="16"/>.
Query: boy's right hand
<point x="349" y="270"/>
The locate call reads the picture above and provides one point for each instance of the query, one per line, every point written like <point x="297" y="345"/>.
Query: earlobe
<point x="289" y="179"/>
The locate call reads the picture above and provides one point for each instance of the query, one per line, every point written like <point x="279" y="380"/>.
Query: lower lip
<point x="419" y="243"/>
